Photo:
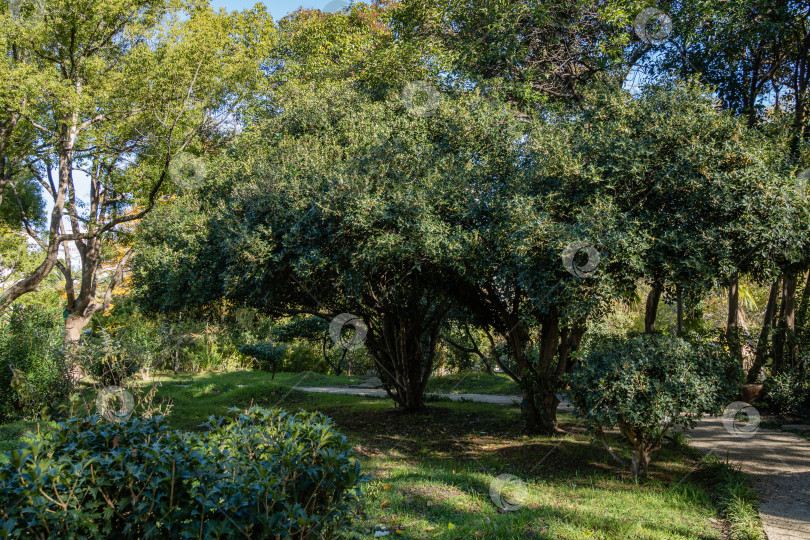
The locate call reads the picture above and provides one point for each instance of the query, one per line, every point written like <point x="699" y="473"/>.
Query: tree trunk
<point x="565" y="362"/>
<point x="784" y="340"/>
<point x="779" y="334"/>
<point x="640" y="462"/>
<point x="539" y="410"/>
<point x="762" y="343"/>
<point x="74" y="324"/>
<point x="651" y="308"/>
<point x="804" y="307"/>
<point x="733" y="323"/>
<point x="403" y="349"/>
<point x="82" y="307"/>
<point x="642" y="450"/>
<point x="679" y="326"/>
<point x="791" y="352"/>
<point x="547" y="377"/>
<point x="547" y="423"/>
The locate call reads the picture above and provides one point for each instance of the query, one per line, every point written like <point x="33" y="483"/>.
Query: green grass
<point x="464" y="383"/>
<point x="473" y="383"/>
<point x="11" y="435"/>
<point x="735" y="498"/>
<point x="432" y="471"/>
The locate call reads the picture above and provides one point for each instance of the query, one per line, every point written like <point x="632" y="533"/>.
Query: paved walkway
<point x="779" y="463"/>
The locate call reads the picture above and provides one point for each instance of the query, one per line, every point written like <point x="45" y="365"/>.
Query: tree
<point x="648" y="384"/>
<point x="706" y="188"/>
<point x="526" y="282"/>
<point x="531" y="53"/>
<point x="348" y="205"/>
<point x="114" y="92"/>
<point x="757" y="55"/>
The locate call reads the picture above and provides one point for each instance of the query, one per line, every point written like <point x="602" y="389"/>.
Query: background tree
<point x="678" y="157"/>
<point x="757" y="55"/>
<point x="114" y="92"/>
<point x="532" y="53"/>
<point x="626" y="178"/>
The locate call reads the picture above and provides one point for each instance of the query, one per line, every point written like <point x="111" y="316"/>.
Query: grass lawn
<point x="473" y="383"/>
<point x="11" y="434"/>
<point x="466" y="383"/>
<point x="432" y="471"/>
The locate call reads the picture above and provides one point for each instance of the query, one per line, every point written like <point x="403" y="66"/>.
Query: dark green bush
<point x="787" y="392"/>
<point x="268" y="355"/>
<point x="33" y="372"/>
<point x="260" y="474"/>
<point x="647" y="384"/>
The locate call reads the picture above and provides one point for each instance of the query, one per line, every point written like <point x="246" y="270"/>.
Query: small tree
<point x="646" y="385"/>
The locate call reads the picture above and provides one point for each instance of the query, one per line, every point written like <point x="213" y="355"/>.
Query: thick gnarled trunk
<point x="403" y="349"/>
<point x="540" y="381"/>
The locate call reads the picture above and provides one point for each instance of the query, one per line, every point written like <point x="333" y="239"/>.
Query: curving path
<point x="779" y="463"/>
<point x="497" y="399"/>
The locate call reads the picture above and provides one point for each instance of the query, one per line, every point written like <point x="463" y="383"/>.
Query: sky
<point x="277" y="8"/>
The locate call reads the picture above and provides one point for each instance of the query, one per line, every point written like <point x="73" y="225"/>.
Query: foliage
<point x="531" y="52"/>
<point x="259" y="473"/>
<point x="361" y="218"/>
<point x="647" y="384"/>
<point x="122" y="92"/>
<point x="788" y="392"/>
<point x="312" y="334"/>
<point x="107" y="358"/>
<point x="34" y="374"/>
<point x="267" y="354"/>
<point x="412" y="459"/>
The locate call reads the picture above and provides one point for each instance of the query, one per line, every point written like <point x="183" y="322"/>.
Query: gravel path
<point x="778" y="461"/>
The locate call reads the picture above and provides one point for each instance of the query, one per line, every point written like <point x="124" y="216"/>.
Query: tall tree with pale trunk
<point x="112" y="92"/>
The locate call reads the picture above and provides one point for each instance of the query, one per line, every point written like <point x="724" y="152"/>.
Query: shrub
<point x="268" y="355"/>
<point x="33" y="371"/>
<point x="787" y="392"/>
<point x="108" y="358"/>
<point x="647" y="384"/>
<point x="263" y="473"/>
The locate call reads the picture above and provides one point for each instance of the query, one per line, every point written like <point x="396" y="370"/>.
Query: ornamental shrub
<point x="647" y="384"/>
<point x="258" y="474"/>
<point x="268" y="355"/>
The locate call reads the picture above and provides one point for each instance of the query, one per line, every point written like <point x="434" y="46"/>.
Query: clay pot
<point x="752" y="393"/>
